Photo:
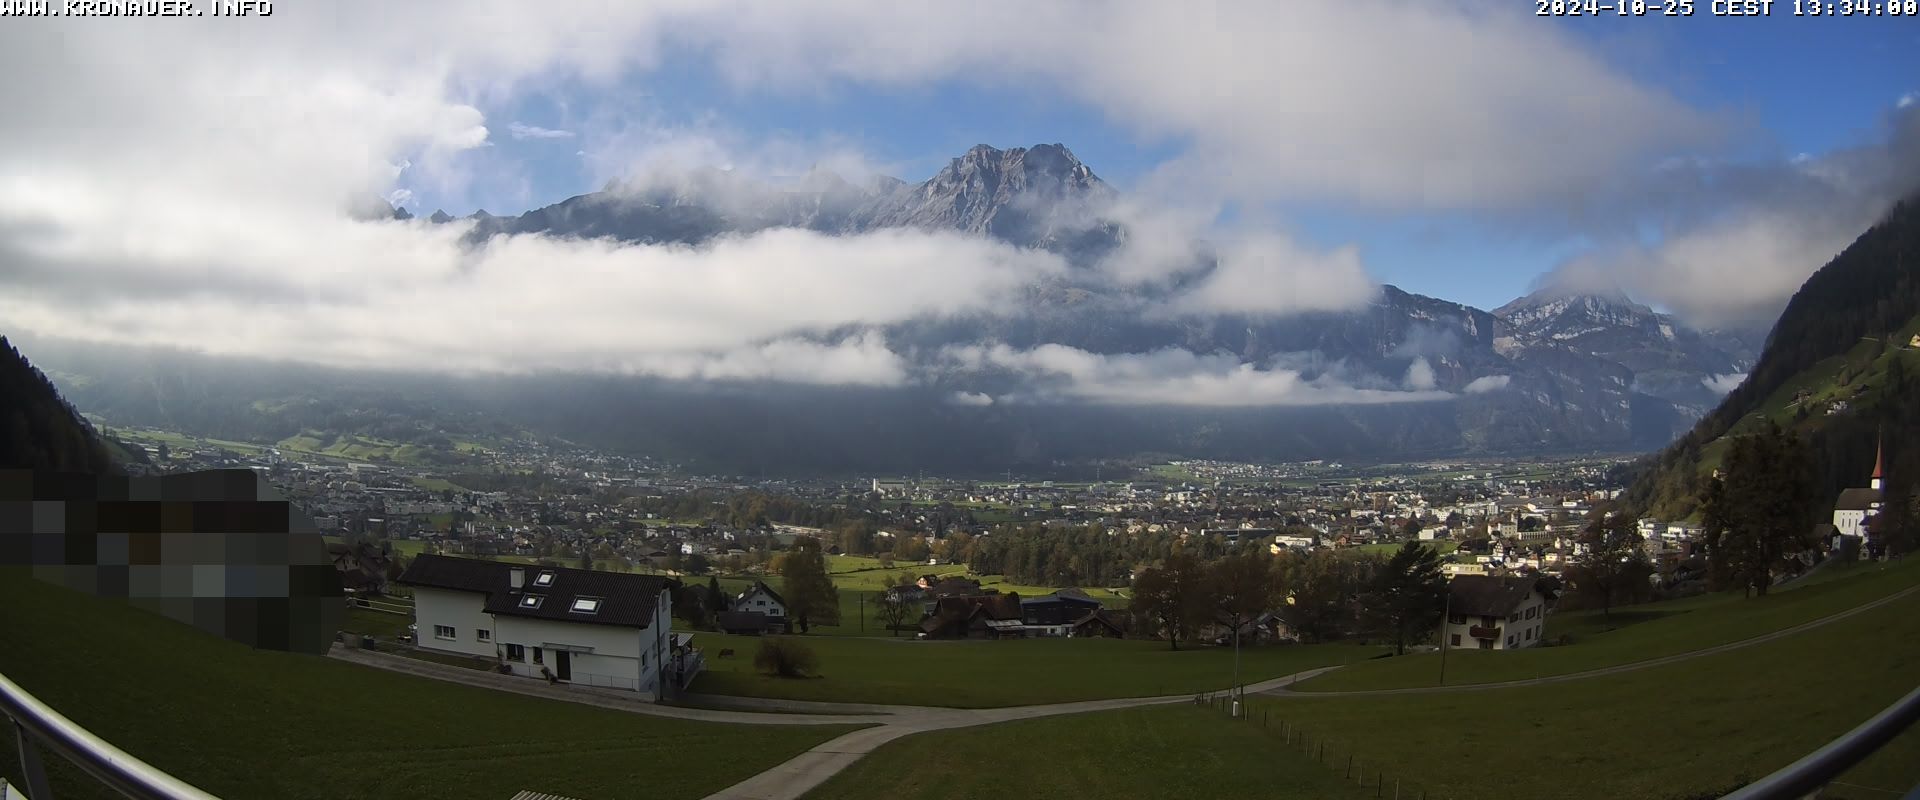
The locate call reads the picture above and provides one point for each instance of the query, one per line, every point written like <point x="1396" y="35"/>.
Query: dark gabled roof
<point x="1857" y="500"/>
<point x="459" y="574"/>
<point x="625" y="599"/>
<point x="1062" y="597"/>
<point x="761" y="586"/>
<point x="1491" y="595"/>
<point x="1103" y="618"/>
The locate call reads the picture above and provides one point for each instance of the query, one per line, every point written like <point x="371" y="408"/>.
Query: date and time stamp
<point x="1727" y="8"/>
<point x="136" y="8"/>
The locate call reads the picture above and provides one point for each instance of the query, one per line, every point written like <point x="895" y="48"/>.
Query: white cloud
<point x="1722" y="384"/>
<point x="971" y="399"/>
<point x="1167" y="377"/>
<point x="125" y="217"/>
<point x="1488" y="383"/>
<point x="520" y="130"/>
<point x="1383" y="103"/>
<point x="863" y="360"/>
<point x="1420" y="375"/>
<point x="1740" y="239"/>
<point x="1268" y="274"/>
<point x="1907" y="99"/>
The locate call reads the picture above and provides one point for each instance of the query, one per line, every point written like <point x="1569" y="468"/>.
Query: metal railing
<point x="1822" y="766"/>
<point x="37" y="725"/>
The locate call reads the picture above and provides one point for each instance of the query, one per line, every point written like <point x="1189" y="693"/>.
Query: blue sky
<point x="1794" y="86"/>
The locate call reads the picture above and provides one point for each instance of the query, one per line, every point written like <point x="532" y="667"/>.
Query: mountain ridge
<point x="1551" y="374"/>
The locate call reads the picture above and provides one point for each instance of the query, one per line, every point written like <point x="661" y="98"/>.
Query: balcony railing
<point x="1822" y="766"/>
<point x="36" y="725"/>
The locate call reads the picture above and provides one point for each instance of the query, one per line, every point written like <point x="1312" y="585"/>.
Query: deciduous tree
<point x="1764" y="507"/>
<point x="1611" y="564"/>
<point x="1174" y="595"/>
<point x="1242" y="587"/>
<point x="810" y="594"/>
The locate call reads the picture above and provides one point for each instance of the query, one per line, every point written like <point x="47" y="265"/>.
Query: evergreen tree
<point x="716" y="599"/>
<point x="1408" y="593"/>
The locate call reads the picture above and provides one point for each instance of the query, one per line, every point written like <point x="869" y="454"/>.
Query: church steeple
<point x="1879" y="464"/>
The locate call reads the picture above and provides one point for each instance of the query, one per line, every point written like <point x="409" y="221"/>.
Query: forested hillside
<point x="1838" y="370"/>
<point x="38" y="429"/>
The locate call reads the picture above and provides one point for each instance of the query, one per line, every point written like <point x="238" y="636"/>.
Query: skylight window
<point x="586" y="605"/>
<point x="545" y="579"/>
<point x="531" y="601"/>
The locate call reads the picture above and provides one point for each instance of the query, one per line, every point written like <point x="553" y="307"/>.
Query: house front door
<point x="563" y="664"/>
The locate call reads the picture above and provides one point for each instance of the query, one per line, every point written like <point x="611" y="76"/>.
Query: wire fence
<point x="1339" y="756"/>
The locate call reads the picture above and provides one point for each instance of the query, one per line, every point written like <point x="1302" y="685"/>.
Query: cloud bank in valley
<point x="201" y="207"/>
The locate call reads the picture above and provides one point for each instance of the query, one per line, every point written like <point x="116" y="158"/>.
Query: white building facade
<point x="584" y="627"/>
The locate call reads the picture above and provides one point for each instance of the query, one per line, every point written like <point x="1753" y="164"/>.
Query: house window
<point x="1533" y="611"/>
<point x="1510" y="641"/>
<point x="531" y="601"/>
<point x="483" y="634"/>
<point x="1514" y="617"/>
<point x="516" y="653"/>
<point x="539" y="657"/>
<point x="1529" y="634"/>
<point x="443" y="632"/>
<point x="1457" y="619"/>
<point x="545" y="579"/>
<point x="1456" y="640"/>
<point x="586" y="605"/>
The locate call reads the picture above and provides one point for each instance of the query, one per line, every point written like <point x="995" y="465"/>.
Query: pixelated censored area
<point x="220" y="550"/>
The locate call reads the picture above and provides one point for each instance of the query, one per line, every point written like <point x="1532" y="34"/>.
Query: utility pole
<point x="863" y="613"/>
<point x="1445" y="620"/>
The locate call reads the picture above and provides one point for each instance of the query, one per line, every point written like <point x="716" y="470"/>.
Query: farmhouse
<point x="577" y="626"/>
<point x="763" y="600"/>
<point x="1497" y="612"/>
<point x="1055" y="614"/>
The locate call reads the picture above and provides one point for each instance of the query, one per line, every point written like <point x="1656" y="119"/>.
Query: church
<point x="1857" y="506"/>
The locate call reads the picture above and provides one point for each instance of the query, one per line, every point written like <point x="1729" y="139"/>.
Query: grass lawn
<point x="239" y="722"/>
<point x="379" y="624"/>
<point x="868" y="584"/>
<point x="1672" y="731"/>
<point x="437" y="484"/>
<point x="1641" y="632"/>
<point x="985" y="674"/>
<point x="1149" y="753"/>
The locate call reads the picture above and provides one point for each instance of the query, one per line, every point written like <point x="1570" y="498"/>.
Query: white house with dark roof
<point x="585" y="627"/>
<point x="1491" y="612"/>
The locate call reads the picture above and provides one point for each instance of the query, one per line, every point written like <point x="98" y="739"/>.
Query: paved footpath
<point x="799" y="775"/>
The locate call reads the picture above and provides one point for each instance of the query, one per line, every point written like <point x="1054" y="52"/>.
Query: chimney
<point x="516" y="577"/>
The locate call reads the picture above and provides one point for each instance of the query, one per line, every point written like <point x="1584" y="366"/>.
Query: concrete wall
<point x="465" y="611"/>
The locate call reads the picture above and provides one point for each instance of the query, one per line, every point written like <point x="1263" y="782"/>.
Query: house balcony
<point x="1482" y="632"/>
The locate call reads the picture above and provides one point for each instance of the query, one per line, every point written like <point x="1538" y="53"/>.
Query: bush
<point x="785" y="658"/>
